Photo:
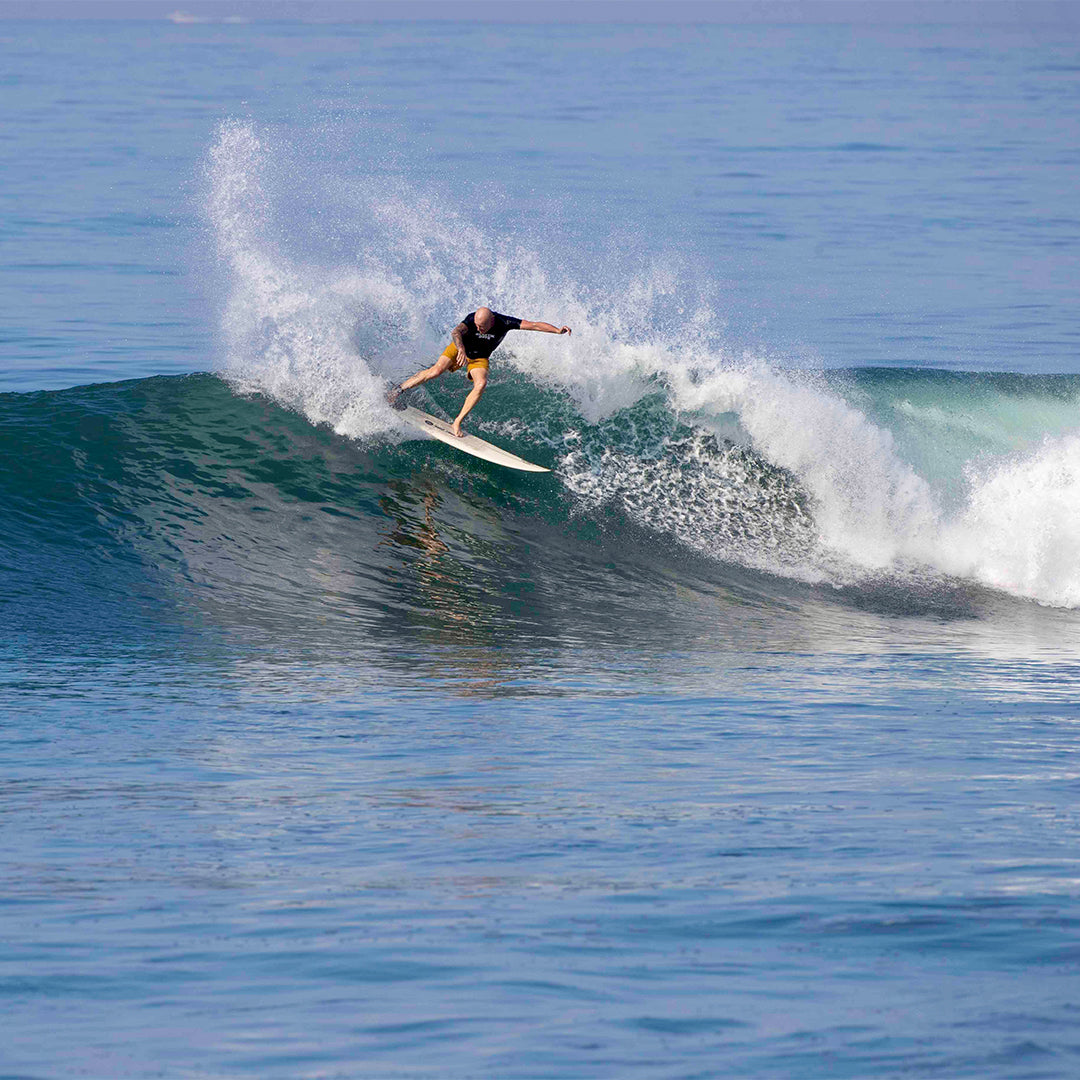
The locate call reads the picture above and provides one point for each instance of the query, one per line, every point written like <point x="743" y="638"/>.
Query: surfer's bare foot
<point x="455" y="429"/>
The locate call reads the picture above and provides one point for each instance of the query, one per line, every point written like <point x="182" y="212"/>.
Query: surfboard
<point x="469" y="444"/>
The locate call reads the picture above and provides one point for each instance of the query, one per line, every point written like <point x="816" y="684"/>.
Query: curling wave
<point x="826" y="477"/>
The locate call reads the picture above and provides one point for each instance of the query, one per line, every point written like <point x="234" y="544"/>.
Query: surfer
<point x="472" y="342"/>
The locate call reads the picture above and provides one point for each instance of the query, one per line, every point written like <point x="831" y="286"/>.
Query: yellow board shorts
<point x="480" y="362"/>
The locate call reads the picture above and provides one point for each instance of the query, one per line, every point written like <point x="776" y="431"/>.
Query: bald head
<point x="484" y="319"/>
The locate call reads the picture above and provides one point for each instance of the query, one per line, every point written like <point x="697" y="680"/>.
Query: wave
<point x="132" y="495"/>
<point x="830" y="478"/>
<point x="281" y="497"/>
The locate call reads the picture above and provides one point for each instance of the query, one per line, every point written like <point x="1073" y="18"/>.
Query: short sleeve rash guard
<point x="480" y="346"/>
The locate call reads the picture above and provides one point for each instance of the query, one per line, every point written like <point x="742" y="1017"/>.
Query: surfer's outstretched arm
<point x="479" y="380"/>
<point x="544" y="327"/>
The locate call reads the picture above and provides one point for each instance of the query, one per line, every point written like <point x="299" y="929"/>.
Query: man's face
<point x="485" y="322"/>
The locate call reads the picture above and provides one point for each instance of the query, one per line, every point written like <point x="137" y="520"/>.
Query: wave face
<point x="831" y="479"/>
<point x="170" y="505"/>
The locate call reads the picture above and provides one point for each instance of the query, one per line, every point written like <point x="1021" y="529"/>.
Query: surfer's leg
<point x="446" y="362"/>
<point x="479" y="378"/>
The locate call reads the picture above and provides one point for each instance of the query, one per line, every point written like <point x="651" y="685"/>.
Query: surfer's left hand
<point x="565" y="330"/>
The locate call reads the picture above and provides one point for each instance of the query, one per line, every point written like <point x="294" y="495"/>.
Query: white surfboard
<point x="440" y="429"/>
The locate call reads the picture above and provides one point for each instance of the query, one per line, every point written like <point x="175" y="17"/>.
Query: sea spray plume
<point x="619" y="305"/>
<point x="624" y="333"/>
<point x="289" y="329"/>
<point x="324" y="340"/>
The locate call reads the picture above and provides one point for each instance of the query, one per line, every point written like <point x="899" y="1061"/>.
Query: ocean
<point x="743" y="744"/>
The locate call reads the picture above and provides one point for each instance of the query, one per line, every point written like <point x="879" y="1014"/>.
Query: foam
<point x="1021" y="529"/>
<point x="288" y="328"/>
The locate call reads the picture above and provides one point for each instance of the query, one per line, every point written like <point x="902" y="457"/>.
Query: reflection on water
<point x="409" y="531"/>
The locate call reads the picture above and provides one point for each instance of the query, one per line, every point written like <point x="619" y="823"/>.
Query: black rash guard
<point x="480" y="346"/>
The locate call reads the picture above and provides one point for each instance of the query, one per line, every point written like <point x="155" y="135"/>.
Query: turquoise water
<point x="741" y="745"/>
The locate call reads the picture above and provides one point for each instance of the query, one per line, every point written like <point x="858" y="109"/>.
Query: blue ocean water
<point x="741" y="745"/>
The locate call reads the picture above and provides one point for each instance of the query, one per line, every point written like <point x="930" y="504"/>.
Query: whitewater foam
<point x="288" y="328"/>
<point x="1021" y="529"/>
